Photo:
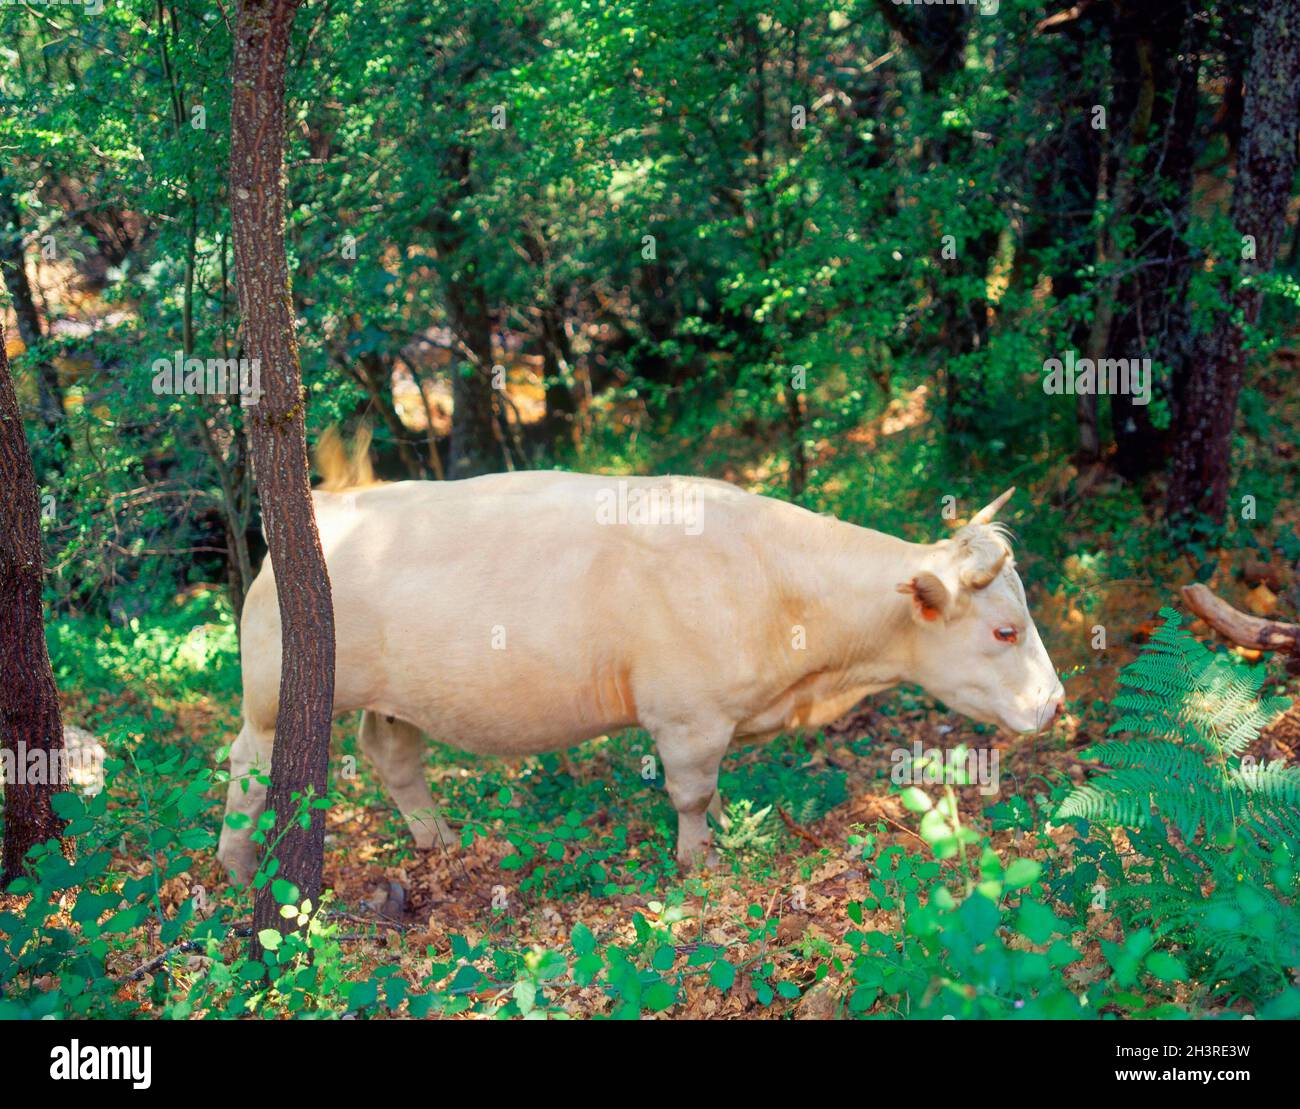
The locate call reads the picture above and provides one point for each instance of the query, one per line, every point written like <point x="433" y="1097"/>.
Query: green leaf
<point x="916" y="800"/>
<point x="659" y="997"/>
<point x="1022" y="872"/>
<point x="722" y="974"/>
<point x="1165" y="967"/>
<point x="582" y="939"/>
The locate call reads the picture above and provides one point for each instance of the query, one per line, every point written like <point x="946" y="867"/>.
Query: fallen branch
<point x="802" y="833"/>
<point x="185" y="948"/>
<point x="1054" y="23"/>
<point x="1253" y="632"/>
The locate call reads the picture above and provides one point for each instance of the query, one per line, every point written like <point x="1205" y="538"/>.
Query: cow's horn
<point x="985" y="515"/>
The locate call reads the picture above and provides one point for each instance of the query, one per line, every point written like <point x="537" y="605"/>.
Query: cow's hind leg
<point x="397" y="750"/>
<point x="691" y="755"/>
<point x="250" y="760"/>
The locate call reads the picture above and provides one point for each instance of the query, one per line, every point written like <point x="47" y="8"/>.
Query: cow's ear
<point x="930" y="598"/>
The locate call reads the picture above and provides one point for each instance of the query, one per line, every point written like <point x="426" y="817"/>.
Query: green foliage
<point x="746" y="828"/>
<point x="981" y="941"/>
<point x="1192" y="714"/>
<point x="1215" y="833"/>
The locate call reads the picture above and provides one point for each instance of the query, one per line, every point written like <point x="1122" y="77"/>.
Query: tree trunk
<point x="1061" y="221"/>
<point x="14" y="263"/>
<point x="300" y="757"/>
<point x="1205" y="399"/>
<point x="1156" y="54"/>
<point x="29" y="702"/>
<point x="557" y="358"/>
<point x="476" y="445"/>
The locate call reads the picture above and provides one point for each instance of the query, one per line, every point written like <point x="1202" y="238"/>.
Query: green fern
<point x="748" y="829"/>
<point x="1191" y="714"/>
<point x="1226" y="891"/>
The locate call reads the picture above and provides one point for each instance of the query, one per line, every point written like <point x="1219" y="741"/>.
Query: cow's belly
<point x="516" y="711"/>
<point x="484" y="665"/>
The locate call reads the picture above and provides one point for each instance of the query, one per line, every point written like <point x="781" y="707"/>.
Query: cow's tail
<point x="341" y="468"/>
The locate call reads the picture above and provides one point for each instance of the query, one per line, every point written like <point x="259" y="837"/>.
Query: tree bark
<point x="1205" y="396"/>
<point x="14" y="263"/>
<point x="1061" y="222"/>
<point x="29" y="702"/>
<point x="300" y="757"/>
<point x="1156" y="53"/>
<point x="557" y="358"/>
<point x="476" y="444"/>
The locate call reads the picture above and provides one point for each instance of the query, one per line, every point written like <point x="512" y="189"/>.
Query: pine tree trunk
<point x="299" y="762"/>
<point x="1205" y="399"/>
<point x="29" y="702"/>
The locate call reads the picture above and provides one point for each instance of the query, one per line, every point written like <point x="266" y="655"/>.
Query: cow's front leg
<point x="691" y="755"/>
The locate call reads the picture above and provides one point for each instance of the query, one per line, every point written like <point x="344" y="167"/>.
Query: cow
<point x="518" y="613"/>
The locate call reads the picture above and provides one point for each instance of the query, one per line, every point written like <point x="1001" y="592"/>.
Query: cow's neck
<point x="858" y="627"/>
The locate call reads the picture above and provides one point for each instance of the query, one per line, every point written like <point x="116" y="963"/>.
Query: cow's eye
<point x="1005" y="635"/>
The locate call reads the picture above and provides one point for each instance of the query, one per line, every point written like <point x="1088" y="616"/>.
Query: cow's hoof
<point x="435" y="835"/>
<point x="699" y="859"/>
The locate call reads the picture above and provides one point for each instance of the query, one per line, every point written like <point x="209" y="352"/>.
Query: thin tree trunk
<point x="300" y="757"/>
<point x="557" y="358"/>
<point x="1078" y="186"/>
<point x="476" y="443"/>
<point x="1205" y="403"/>
<point x="29" y="702"/>
<point x="1157" y="55"/>
<point x="13" y="262"/>
<point x="374" y="373"/>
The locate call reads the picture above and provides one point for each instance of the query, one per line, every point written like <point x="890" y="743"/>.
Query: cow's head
<point x="976" y="647"/>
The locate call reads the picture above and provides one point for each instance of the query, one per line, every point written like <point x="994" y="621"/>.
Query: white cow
<point x="519" y="613"/>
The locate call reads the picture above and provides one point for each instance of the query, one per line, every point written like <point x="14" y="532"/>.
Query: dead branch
<point x="802" y="833"/>
<point x="1254" y="632"/>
